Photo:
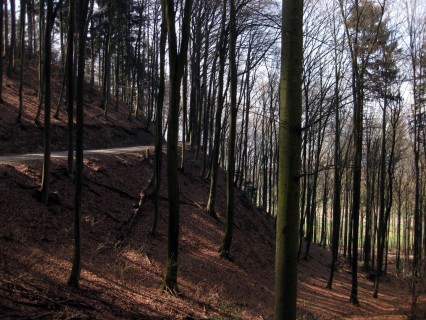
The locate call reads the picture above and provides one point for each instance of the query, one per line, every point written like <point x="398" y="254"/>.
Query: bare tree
<point x="289" y="161"/>
<point x="177" y="60"/>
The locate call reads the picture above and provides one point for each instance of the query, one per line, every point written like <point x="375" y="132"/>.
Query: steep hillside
<point x="27" y="136"/>
<point x="122" y="264"/>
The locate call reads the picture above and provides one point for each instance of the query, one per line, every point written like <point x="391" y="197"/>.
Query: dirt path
<point x="13" y="158"/>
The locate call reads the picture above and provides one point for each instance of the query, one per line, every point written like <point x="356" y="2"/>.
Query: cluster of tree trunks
<point x="336" y="154"/>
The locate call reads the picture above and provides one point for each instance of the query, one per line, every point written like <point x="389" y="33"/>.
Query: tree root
<point x="213" y="215"/>
<point x="113" y="189"/>
<point x="226" y="255"/>
<point x="173" y="291"/>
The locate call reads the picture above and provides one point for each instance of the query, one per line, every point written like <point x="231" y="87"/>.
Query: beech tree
<point x="339" y="44"/>
<point x="22" y="55"/>
<point x="415" y="49"/>
<point x="70" y="85"/>
<point x="106" y="83"/>
<point x="225" y="247"/>
<point x="45" y="184"/>
<point x="83" y="11"/>
<point x="289" y="160"/>
<point x="359" y="17"/>
<point x="50" y="18"/>
<point x="41" y="26"/>
<point x="384" y="74"/>
<point x="1" y="51"/>
<point x="12" y="46"/>
<point x="221" y="53"/>
<point x="159" y="124"/>
<point x="177" y="60"/>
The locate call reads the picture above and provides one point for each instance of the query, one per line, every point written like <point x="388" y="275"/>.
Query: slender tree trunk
<point x="47" y="133"/>
<point x="205" y="98"/>
<point x="159" y="125"/>
<point x="1" y="51"/>
<point x="117" y="76"/>
<point x="12" y="48"/>
<point x="184" y="115"/>
<point x="6" y="29"/>
<point x="356" y="195"/>
<point x="106" y="83"/>
<point x="176" y="64"/>
<point x="225" y="248"/>
<point x="70" y="85"/>
<point x="323" y="240"/>
<point x="92" y="55"/>
<point x="21" y="71"/>
<point x="76" y="266"/>
<point x="337" y="183"/>
<point x="221" y="51"/>
<point x="61" y="94"/>
<point x="382" y="225"/>
<point x="41" y="90"/>
<point x="398" y="228"/>
<point x="31" y="22"/>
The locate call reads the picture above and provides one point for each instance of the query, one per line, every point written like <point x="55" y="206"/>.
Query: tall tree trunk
<point x="176" y="65"/>
<point x="31" y="23"/>
<point x="289" y="161"/>
<point x="159" y="124"/>
<point x="398" y="227"/>
<point x="47" y="132"/>
<point x="184" y="114"/>
<point x="1" y="51"/>
<point x="12" y="48"/>
<point x="106" y="83"/>
<point x="41" y="86"/>
<point x="337" y="183"/>
<point x="225" y="247"/>
<point x="117" y="76"/>
<point x="21" y="70"/>
<point x="323" y="241"/>
<point x="70" y="85"/>
<point x="221" y="51"/>
<point x="382" y="224"/>
<point x="73" y="281"/>
<point x="205" y="98"/>
<point x="6" y="29"/>
<point x="370" y="178"/>
<point x="92" y="55"/>
<point x="389" y="170"/>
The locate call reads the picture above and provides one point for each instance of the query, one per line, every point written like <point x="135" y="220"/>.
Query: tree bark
<point x="225" y="248"/>
<point x="21" y="63"/>
<point x="76" y="266"/>
<point x="12" y="48"/>
<point x="47" y="133"/>
<point x="159" y="125"/>
<point x="176" y="68"/>
<point x="70" y="85"/>
<point x="221" y="51"/>
<point x="289" y="161"/>
<point x="1" y="51"/>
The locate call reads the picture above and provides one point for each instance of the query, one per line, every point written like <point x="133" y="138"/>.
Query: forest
<point x="308" y="113"/>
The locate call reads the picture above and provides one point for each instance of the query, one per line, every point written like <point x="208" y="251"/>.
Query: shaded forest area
<point x="123" y="265"/>
<point x="313" y="111"/>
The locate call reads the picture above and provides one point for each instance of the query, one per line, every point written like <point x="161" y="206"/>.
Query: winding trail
<point x="16" y="158"/>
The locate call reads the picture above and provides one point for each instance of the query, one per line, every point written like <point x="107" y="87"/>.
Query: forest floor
<point x="122" y="265"/>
